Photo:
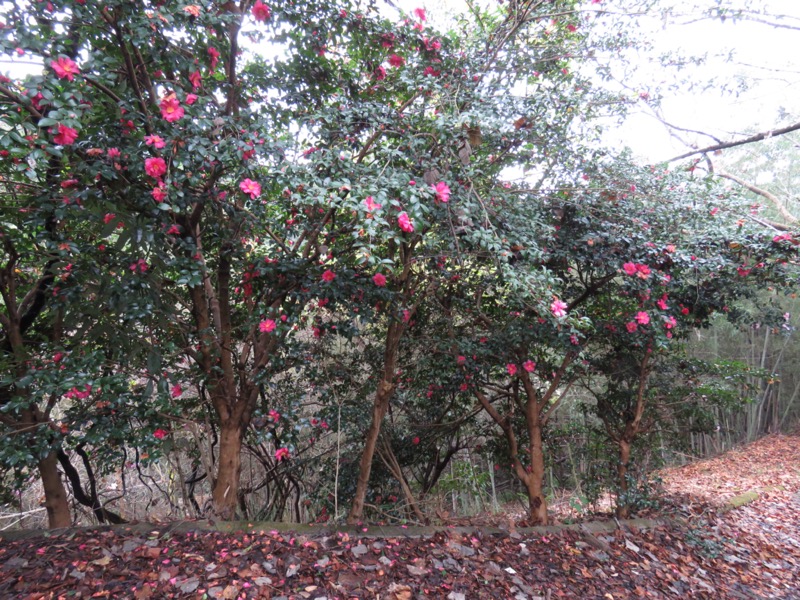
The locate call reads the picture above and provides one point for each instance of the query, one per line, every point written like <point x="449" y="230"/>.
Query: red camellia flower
<point x="379" y="279"/>
<point x="195" y="79"/>
<point x="155" y="141"/>
<point x="415" y="441"/>
<point x="396" y="61"/>
<point x="213" y="53"/>
<point x="260" y="11"/>
<point x="160" y="434"/>
<point x="158" y="194"/>
<point x="65" y="68"/>
<point x="442" y="191"/>
<point x="171" y="109"/>
<point x="405" y="223"/>
<point x="155" y="167"/>
<point x="371" y="205"/>
<point x="65" y="136"/>
<point x="176" y="390"/>
<point x="328" y="275"/>
<point x="253" y="188"/>
<point x="380" y="73"/>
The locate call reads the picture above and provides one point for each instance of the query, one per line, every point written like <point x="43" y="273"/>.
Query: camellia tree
<point x="230" y="190"/>
<point x="626" y="274"/>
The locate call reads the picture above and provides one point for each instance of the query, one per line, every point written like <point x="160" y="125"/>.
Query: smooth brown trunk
<point x="226" y="486"/>
<point x="623" y="509"/>
<point x="55" y="496"/>
<point x="379" y="408"/>
<point x="536" y="500"/>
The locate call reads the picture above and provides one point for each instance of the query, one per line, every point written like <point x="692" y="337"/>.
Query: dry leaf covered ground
<point x="706" y="552"/>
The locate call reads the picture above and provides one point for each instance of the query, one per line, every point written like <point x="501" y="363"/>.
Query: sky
<point x="765" y="54"/>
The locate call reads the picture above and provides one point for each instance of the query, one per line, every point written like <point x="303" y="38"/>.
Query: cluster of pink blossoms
<point x="640" y="270"/>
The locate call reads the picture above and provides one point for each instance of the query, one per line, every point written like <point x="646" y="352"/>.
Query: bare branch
<point x="749" y="140"/>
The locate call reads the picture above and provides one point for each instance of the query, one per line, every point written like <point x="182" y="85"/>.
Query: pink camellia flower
<point x="140" y="266"/>
<point x="65" y="68"/>
<point x="58" y="356"/>
<point x="642" y="271"/>
<point x="442" y="191"/>
<point x="253" y="188"/>
<point x="195" y="79"/>
<point x="171" y="109"/>
<point x="396" y="60"/>
<point x="529" y="366"/>
<point x="379" y="279"/>
<point x="65" y="136"/>
<point x="176" y="390"/>
<point x="416" y="440"/>
<point x="420" y="14"/>
<point x="671" y="322"/>
<point x="662" y="303"/>
<point x="213" y="53"/>
<point x="430" y="71"/>
<point x="782" y="237"/>
<point x="372" y="206"/>
<point x="159" y="194"/>
<point x="191" y="99"/>
<point x="113" y="153"/>
<point x="558" y="308"/>
<point x="267" y="326"/>
<point x="155" y="140"/>
<point x="328" y="275"/>
<point x="743" y="271"/>
<point x="155" y="166"/>
<point x="405" y="223"/>
<point x="512" y="369"/>
<point x="281" y="453"/>
<point x="629" y="268"/>
<point x="274" y="415"/>
<point x="260" y="11"/>
<point x="174" y="230"/>
<point x="380" y="73"/>
<point x="160" y="434"/>
<point x="631" y="326"/>
<point x="108" y="218"/>
<point x="642" y="318"/>
<point x="461" y="360"/>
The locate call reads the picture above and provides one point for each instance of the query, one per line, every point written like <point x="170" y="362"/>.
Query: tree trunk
<point x="379" y="408"/>
<point x="226" y="487"/>
<point x="623" y="509"/>
<point x="55" y="496"/>
<point x="536" y="499"/>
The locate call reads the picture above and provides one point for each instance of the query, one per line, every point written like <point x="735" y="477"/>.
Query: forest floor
<point x="702" y="548"/>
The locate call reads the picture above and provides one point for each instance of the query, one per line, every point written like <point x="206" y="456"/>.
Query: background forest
<point x="311" y="261"/>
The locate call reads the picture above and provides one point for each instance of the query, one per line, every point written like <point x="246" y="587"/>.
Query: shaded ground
<point x="705" y="552"/>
